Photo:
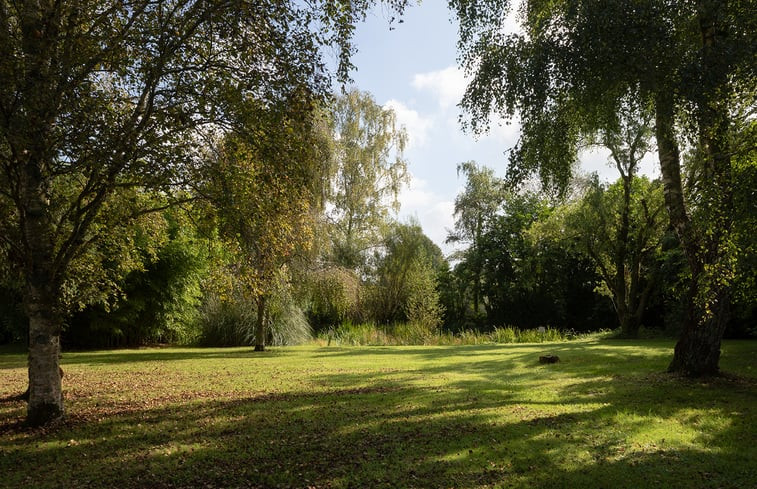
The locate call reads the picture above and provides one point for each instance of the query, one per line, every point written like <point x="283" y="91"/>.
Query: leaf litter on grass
<point x="464" y="417"/>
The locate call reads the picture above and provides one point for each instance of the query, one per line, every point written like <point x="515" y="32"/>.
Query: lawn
<point x="436" y="417"/>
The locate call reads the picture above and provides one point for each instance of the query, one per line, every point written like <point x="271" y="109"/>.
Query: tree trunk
<point x="45" y="388"/>
<point x="687" y="350"/>
<point x="260" y="329"/>
<point x="697" y="352"/>
<point x="41" y="301"/>
<point x="30" y="136"/>
<point x="621" y="254"/>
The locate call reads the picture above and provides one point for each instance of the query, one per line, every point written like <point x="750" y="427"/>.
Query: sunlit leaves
<point x="366" y="174"/>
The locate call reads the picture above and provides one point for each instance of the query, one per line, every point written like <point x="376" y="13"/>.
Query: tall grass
<point x="369" y="334"/>
<point x="233" y="323"/>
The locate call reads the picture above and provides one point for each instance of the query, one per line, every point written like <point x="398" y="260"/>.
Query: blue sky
<point x="412" y="69"/>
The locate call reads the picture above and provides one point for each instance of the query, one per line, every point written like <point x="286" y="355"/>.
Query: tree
<point x="263" y="184"/>
<point x="531" y="279"/>
<point x="404" y="287"/>
<point x="100" y="96"/>
<point x="575" y="62"/>
<point x="620" y="227"/>
<point x="157" y="291"/>
<point x="367" y="173"/>
<point x="483" y="196"/>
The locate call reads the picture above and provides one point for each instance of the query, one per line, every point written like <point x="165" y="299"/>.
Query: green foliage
<point x="744" y="322"/>
<point x="422" y="306"/>
<point x="287" y="322"/>
<point x="227" y="323"/>
<point x="408" y="333"/>
<point x="102" y="98"/>
<point x="232" y="319"/>
<point x="619" y="227"/>
<point x="334" y="294"/>
<point x="404" y="281"/>
<point x="522" y="281"/>
<point x="475" y="207"/>
<point x="504" y="335"/>
<point x="355" y="334"/>
<point x="158" y="299"/>
<point x="366" y="175"/>
<point x="574" y="66"/>
<point x="261" y="183"/>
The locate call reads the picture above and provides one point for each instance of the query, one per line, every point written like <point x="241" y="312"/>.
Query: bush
<point x="290" y="328"/>
<point x="333" y="297"/>
<point x="227" y="323"/>
<point x="414" y="333"/>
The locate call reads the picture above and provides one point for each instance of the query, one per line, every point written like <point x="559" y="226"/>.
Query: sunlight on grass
<point x="438" y="416"/>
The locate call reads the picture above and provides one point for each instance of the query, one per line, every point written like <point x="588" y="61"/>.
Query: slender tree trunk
<point x="260" y="329"/>
<point x="621" y="257"/>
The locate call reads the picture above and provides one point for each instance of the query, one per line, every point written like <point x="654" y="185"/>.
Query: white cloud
<point x="447" y="85"/>
<point x="416" y="125"/>
<point x="597" y="159"/>
<point x="435" y="214"/>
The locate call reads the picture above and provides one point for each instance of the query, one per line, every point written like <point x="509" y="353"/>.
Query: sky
<point x="412" y="68"/>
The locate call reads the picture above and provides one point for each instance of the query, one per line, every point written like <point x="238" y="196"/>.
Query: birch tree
<point x="103" y="95"/>
<point x="691" y="63"/>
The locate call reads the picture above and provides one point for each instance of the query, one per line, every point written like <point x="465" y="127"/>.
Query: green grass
<point x="435" y="416"/>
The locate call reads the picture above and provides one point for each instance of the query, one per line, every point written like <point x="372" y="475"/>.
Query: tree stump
<point x="549" y="359"/>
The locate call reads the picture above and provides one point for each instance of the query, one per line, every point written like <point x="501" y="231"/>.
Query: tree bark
<point x="41" y="301"/>
<point x="45" y="403"/>
<point x="624" y="300"/>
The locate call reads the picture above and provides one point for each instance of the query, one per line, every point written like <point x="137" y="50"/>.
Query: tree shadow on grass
<point x="168" y="355"/>
<point x="113" y="357"/>
<point x="386" y="429"/>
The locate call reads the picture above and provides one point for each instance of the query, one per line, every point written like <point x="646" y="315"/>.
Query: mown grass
<point x="441" y="416"/>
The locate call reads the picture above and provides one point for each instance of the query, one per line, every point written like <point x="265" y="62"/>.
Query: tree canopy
<point x="99" y="97"/>
<point x="571" y="69"/>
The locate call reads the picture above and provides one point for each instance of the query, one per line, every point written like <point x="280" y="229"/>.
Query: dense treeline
<point x="524" y="260"/>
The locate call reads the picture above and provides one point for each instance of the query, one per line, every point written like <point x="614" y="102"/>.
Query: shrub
<point x="413" y="333"/>
<point x="333" y="297"/>
<point x="288" y="323"/>
<point x="227" y="323"/>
